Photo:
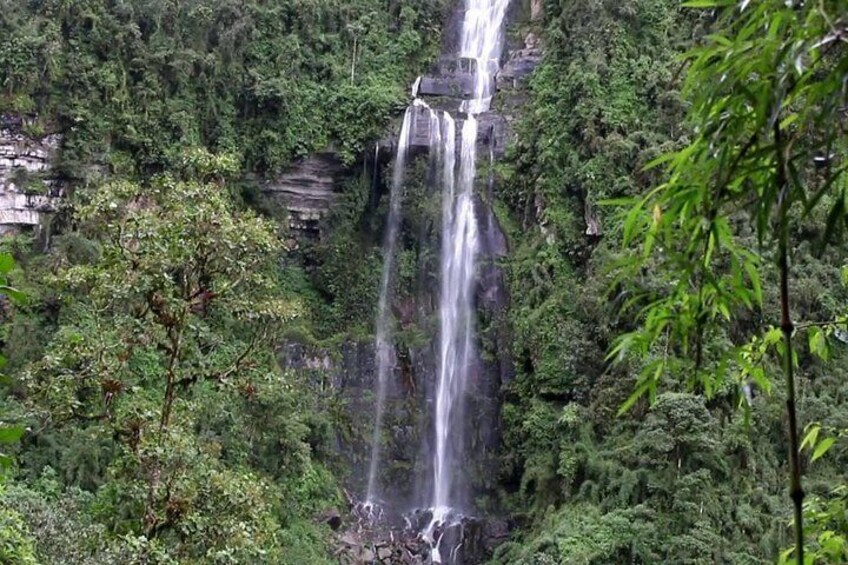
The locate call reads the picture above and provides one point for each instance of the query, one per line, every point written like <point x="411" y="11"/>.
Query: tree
<point x="767" y="151"/>
<point x="181" y="296"/>
<point x="15" y="544"/>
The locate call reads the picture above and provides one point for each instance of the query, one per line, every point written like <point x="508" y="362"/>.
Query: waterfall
<point x="456" y="356"/>
<point x="385" y="352"/>
<point x="481" y="41"/>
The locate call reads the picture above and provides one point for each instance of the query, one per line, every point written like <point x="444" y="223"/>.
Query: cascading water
<point x="459" y="247"/>
<point x="481" y="41"/>
<point x="385" y="349"/>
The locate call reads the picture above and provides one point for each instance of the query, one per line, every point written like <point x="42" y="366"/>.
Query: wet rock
<point x="10" y="121"/>
<point x="521" y="63"/>
<point x="351" y="539"/>
<point x="495" y="532"/>
<point x="455" y="86"/>
<point x="332" y="518"/>
<point x="419" y="519"/>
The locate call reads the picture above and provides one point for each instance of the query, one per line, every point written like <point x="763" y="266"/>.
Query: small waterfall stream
<point x="384" y="346"/>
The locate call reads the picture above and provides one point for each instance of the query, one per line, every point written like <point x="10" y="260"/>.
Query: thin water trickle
<point x="385" y="350"/>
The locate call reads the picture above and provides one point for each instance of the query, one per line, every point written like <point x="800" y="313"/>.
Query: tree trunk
<point x="787" y="327"/>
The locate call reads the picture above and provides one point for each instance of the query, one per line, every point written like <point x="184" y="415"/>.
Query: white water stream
<point x="481" y="41"/>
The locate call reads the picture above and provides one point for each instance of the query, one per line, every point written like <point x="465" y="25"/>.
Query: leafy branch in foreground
<point x="767" y="151"/>
<point x="826" y="515"/>
<point x="9" y="434"/>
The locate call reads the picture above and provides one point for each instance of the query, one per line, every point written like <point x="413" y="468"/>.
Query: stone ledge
<point x="306" y="190"/>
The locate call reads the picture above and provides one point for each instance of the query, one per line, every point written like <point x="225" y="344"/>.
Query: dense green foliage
<point x="766" y="91"/>
<point x="131" y="83"/>
<point x="160" y="427"/>
<point x="163" y="429"/>
<point x="686" y="478"/>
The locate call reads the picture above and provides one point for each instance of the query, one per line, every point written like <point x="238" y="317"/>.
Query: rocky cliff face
<point x="28" y="188"/>
<point x="306" y="191"/>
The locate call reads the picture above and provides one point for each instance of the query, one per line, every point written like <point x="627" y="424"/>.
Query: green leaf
<point x="14" y="294"/>
<point x="754" y="277"/>
<point x="823" y="448"/>
<point x="811" y="437"/>
<point x="654" y="163"/>
<point x="7" y="263"/>
<point x="818" y="343"/>
<point x="633" y="398"/>
<point x="11" y="434"/>
<point x="788" y="120"/>
<point x="705" y="3"/>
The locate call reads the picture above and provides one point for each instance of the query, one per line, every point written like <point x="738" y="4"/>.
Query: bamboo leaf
<point x="818" y="343"/>
<point x="11" y="434"/>
<point x="811" y="437"/>
<point x="754" y="278"/>
<point x="7" y="263"/>
<point x="706" y="3"/>
<point x="823" y="448"/>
